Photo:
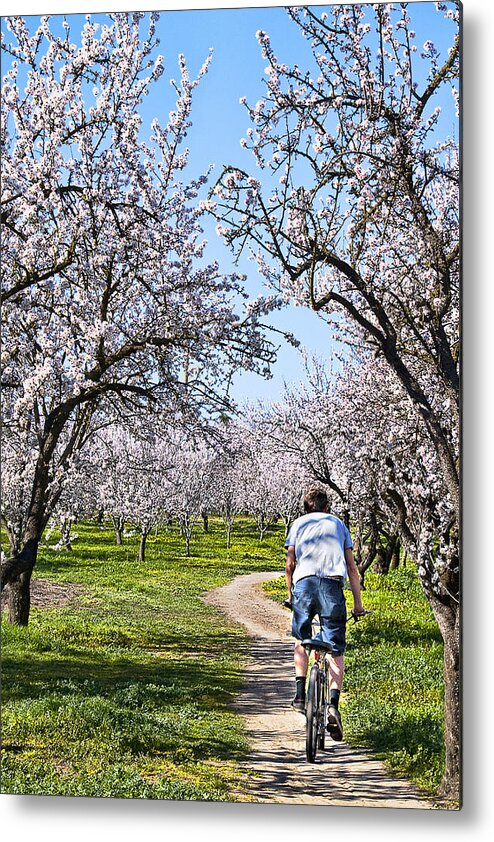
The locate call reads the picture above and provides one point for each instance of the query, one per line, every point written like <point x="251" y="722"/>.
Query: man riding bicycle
<point x="319" y="559"/>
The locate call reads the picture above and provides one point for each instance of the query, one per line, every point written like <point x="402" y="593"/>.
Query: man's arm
<point x="289" y="568"/>
<point x="354" y="578"/>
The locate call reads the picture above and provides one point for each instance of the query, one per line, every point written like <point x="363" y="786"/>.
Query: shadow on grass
<point x="180" y="680"/>
<point x="411" y="742"/>
<point x="389" y="735"/>
<point x="166" y="706"/>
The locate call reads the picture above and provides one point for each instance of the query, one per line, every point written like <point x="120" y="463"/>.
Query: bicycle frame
<point x="317" y="694"/>
<point x="318" y="690"/>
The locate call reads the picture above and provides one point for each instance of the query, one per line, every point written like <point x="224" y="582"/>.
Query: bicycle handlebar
<point x="357" y="617"/>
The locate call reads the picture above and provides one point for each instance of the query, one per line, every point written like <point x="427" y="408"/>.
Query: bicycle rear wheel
<point x="312" y="714"/>
<point x="321" y="737"/>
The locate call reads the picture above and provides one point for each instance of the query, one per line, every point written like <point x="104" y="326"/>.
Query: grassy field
<point x="126" y="692"/>
<point x="393" y="688"/>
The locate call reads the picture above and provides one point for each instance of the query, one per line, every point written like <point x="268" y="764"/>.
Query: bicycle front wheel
<point x="312" y="714"/>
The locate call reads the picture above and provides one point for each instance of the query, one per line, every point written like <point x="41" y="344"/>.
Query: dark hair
<point x="316" y="500"/>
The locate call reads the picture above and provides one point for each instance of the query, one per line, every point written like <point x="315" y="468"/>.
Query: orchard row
<point x="121" y="338"/>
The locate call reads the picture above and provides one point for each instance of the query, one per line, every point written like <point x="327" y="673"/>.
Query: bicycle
<point x="318" y="690"/>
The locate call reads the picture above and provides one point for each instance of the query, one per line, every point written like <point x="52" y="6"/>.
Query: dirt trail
<point x="277" y="768"/>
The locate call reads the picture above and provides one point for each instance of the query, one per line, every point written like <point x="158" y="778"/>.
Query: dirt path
<point x="277" y="770"/>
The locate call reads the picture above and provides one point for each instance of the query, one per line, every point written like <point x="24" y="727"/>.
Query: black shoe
<point x="299" y="704"/>
<point x="334" y="725"/>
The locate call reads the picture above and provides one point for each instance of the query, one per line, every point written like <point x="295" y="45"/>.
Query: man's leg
<point x="336" y="665"/>
<point x="301" y="661"/>
<point x="302" y="614"/>
<point x="333" y="622"/>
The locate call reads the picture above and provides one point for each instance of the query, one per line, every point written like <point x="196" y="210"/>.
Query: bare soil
<point x="45" y="594"/>
<point x="276" y="770"/>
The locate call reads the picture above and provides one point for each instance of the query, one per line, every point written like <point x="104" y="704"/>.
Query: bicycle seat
<point x="313" y="643"/>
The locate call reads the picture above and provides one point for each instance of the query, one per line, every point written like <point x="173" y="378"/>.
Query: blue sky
<point x="220" y="121"/>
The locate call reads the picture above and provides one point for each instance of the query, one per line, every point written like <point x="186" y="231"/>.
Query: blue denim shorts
<point x="316" y="595"/>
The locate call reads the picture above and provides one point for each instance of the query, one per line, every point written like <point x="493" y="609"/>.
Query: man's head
<point x="316" y="500"/>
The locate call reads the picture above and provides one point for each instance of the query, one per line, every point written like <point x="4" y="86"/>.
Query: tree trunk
<point x="368" y="555"/>
<point x="65" y="530"/>
<point x="366" y="563"/>
<point x="262" y="526"/>
<point x="16" y="577"/>
<point x="395" y="559"/>
<point x="142" y="546"/>
<point x="118" y="526"/>
<point x="19" y="600"/>
<point x="386" y="554"/>
<point x="13" y="542"/>
<point x="448" y="620"/>
<point x="16" y="572"/>
<point x="228" y="517"/>
<point x="228" y="529"/>
<point x="451" y="782"/>
<point x="358" y="542"/>
<point x="205" y="521"/>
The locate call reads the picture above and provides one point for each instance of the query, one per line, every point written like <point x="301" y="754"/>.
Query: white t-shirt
<point x="320" y="541"/>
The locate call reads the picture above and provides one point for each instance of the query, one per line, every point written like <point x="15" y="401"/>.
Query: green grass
<point x="127" y="693"/>
<point x="392" y="702"/>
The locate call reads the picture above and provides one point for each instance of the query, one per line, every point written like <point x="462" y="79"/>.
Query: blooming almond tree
<point x="413" y="493"/>
<point x="370" y="433"/>
<point x="362" y="222"/>
<point x="131" y="473"/>
<point x="309" y="430"/>
<point x="108" y="469"/>
<point x="190" y="482"/>
<point x="227" y="477"/>
<point x="108" y="304"/>
<point x="257" y="470"/>
<point x="288" y="481"/>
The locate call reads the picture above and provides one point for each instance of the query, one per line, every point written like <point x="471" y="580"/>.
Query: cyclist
<point x="319" y="559"/>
